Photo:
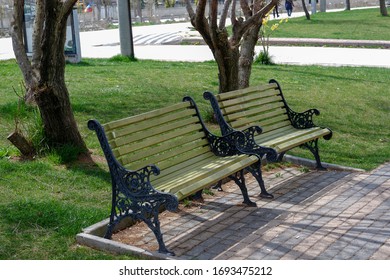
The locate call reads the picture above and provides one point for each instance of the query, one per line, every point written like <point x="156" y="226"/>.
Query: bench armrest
<point x="136" y="186"/>
<point x="127" y="184"/>
<point x="302" y="120"/>
<point x="246" y="144"/>
<point x="220" y="145"/>
<point x="298" y="120"/>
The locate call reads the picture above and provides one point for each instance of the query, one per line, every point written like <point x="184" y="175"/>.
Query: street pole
<point x="125" y="29"/>
<point x="313" y="6"/>
<point x="323" y="6"/>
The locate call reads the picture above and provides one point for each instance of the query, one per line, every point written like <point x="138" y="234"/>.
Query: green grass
<point x="365" y="24"/>
<point x="45" y="203"/>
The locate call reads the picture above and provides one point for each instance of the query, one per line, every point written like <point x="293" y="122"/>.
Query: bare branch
<point x="18" y="41"/>
<point x="213" y="14"/>
<point x="245" y="8"/>
<point x="199" y="20"/>
<point x="37" y="32"/>
<point x="258" y="16"/>
<point x="222" y="20"/>
<point x="233" y="13"/>
<point x="190" y="10"/>
<point x="200" y="12"/>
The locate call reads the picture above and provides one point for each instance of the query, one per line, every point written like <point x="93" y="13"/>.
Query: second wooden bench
<point x="278" y="126"/>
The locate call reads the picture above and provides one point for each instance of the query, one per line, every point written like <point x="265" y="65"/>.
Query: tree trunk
<point x="347" y="5"/>
<point x="383" y="8"/>
<point x="45" y="75"/>
<point x="305" y="10"/>
<point x="233" y="55"/>
<point x="227" y="61"/>
<point x="247" y="54"/>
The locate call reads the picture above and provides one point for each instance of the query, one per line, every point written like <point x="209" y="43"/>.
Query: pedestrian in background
<point x="289" y="7"/>
<point x="275" y="11"/>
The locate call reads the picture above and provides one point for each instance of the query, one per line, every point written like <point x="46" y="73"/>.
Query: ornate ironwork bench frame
<point x="263" y="114"/>
<point x="189" y="156"/>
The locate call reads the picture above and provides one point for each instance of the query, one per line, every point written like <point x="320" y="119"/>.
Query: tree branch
<point x="18" y="42"/>
<point x="199" y="21"/>
<point x="233" y="18"/>
<point x="68" y="6"/>
<point x="222" y="20"/>
<point x="37" y="32"/>
<point x="190" y="10"/>
<point x="258" y="16"/>
<point x="213" y="14"/>
<point x="200" y="12"/>
<point x="245" y="9"/>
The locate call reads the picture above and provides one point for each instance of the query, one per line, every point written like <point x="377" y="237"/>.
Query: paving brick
<point x="315" y="215"/>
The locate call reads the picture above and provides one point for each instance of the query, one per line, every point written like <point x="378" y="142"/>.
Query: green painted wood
<point x="141" y="117"/>
<point x="173" y="139"/>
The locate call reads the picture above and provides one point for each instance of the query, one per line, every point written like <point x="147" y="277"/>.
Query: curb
<point x="196" y="40"/>
<point x="312" y="164"/>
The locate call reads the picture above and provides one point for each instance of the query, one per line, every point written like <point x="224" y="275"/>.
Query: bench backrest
<point x="262" y="105"/>
<point x="166" y="137"/>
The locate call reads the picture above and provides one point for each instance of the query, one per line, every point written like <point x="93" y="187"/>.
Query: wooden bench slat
<point x="269" y="118"/>
<point x="281" y="137"/>
<point x="144" y="116"/>
<point x="212" y="176"/>
<point x="237" y="93"/>
<point x="151" y="132"/>
<point x="211" y="180"/>
<point x="161" y="139"/>
<point x="170" y="157"/>
<point x="208" y="162"/>
<point x="167" y="168"/>
<point x="244" y="105"/>
<point x="272" y="134"/>
<point x="252" y="98"/>
<point x="287" y="145"/>
<point x="258" y="113"/>
<point x="177" y="143"/>
<point x="150" y="123"/>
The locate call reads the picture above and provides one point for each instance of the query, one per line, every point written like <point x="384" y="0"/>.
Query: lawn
<point x="364" y="24"/>
<point x="44" y="203"/>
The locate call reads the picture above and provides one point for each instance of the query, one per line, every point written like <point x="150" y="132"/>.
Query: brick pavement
<point x="314" y="215"/>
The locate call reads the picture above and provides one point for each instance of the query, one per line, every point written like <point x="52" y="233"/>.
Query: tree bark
<point x="383" y="8"/>
<point x="44" y="76"/>
<point x="305" y="10"/>
<point x="20" y="142"/>
<point x="347" y="5"/>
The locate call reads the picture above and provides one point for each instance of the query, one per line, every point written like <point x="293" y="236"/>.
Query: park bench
<point x="278" y="126"/>
<point x="173" y="143"/>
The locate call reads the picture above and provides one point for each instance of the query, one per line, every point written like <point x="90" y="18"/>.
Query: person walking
<point x="289" y="7"/>
<point x="275" y="11"/>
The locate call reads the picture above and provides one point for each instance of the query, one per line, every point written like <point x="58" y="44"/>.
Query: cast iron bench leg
<point x="255" y="169"/>
<point x="312" y="146"/>
<point x="239" y="179"/>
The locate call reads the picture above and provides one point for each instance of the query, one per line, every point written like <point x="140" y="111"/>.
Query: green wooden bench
<point x="173" y="143"/>
<point x="264" y="106"/>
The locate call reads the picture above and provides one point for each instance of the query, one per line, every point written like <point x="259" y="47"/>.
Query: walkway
<point x="105" y="44"/>
<point x="315" y="215"/>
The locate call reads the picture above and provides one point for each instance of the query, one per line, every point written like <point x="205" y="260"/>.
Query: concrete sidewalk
<point x="105" y="44"/>
<point x="315" y="215"/>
